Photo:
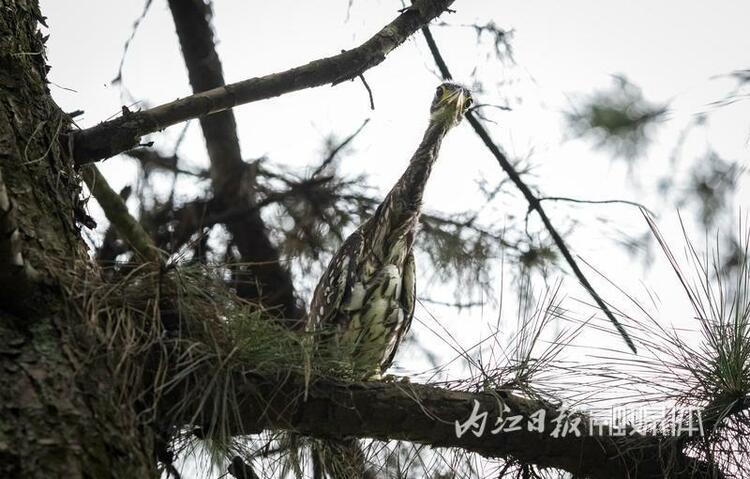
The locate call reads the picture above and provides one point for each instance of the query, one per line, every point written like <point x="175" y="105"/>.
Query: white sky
<point x="563" y="50"/>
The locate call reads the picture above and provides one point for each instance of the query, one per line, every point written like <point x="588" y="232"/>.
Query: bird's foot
<point x="391" y="378"/>
<point x="377" y="375"/>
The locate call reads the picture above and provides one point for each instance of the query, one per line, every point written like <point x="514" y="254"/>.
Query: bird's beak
<point x="452" y="106"/>
<point x="457" y="98"/>
<point x="461" y="101"/>
<point x="464" y="102"/>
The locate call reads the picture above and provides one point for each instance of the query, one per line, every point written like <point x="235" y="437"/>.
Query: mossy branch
<point x="117" y="213"/>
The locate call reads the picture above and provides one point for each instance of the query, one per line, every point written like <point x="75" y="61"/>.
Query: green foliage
<point x="500" y="38"/>
<point x="166" y="330"/>
<point x="457" y="253"/>
<point x="538" y="256"/>
<point x="713" y="376"/>
<point x="618" y="120"/>
<point x="712" y="183"/>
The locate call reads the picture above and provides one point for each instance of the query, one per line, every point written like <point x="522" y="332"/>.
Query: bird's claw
<point x="391" y="378"/>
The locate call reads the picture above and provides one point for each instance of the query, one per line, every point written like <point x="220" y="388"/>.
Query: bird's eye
<point x="439" y="91"/>
<point x="468" y="102"/>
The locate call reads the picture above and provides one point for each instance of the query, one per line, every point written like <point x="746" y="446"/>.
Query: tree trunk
<point x="57" y="419"/>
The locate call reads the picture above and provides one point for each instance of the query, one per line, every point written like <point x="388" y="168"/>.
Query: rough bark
<point x="56" y="419"/>
<point x="262" y="277"/>
<point x="427" y="415"/>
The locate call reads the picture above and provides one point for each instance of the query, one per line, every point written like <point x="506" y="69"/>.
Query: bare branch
<point x="125" y="48"/>
<point x="597" y="202"/>
<point x="112" y="245"/>
<point x="152" y="159"/>
<point x="113" y="137"/>
<point x="534" y="203"/>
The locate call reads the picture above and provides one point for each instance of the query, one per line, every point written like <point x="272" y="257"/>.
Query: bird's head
<point x="450" y="103"/>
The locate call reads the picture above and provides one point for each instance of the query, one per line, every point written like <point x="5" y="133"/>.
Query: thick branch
<point x="534" y="203"/>
<point x="427" y="415"/>
<point x="191" y="18"/>
<point x="117" y="213"/>
<point x="113" y="137"/>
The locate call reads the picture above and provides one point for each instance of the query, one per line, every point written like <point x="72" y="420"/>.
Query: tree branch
<point x="534" y="203"/>
<point x="597" y="202"/>
<point x="115" y="136"/>
<point x="112" y="244"/>
<point x="151" y="159"/>
<point x="427" y="415"/>
<point x="338" y="149"/>
<point x="268" y="281"/>
<point x="117" y="213"/>
<point x="192" y="22"/>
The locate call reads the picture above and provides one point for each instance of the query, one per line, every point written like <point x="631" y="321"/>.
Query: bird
<point x="364" y="302"/>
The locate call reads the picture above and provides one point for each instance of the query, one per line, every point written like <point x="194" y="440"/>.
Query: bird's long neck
<point x="398" y="213"/>
<point x="410" y="187"/>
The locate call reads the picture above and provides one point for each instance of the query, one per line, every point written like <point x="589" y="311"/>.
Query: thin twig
<point x="534" y="202"/>
<point x="136" y="24"/>
<point x="332" y="155"/>
<point x="369" y="91"/>
<point x="597" y="202"/>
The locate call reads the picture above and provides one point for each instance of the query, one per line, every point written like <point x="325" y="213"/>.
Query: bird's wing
<point x="407" y="301"/>
<point x="335" y="286"/>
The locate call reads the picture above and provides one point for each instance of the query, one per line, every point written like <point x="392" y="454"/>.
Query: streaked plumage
<point x="364" y="302"/>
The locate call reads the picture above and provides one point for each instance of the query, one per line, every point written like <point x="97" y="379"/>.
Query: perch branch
<point x="427" y="415"/>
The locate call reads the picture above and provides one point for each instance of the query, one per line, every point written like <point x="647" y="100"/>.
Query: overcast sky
<point x="672" y="49"/>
